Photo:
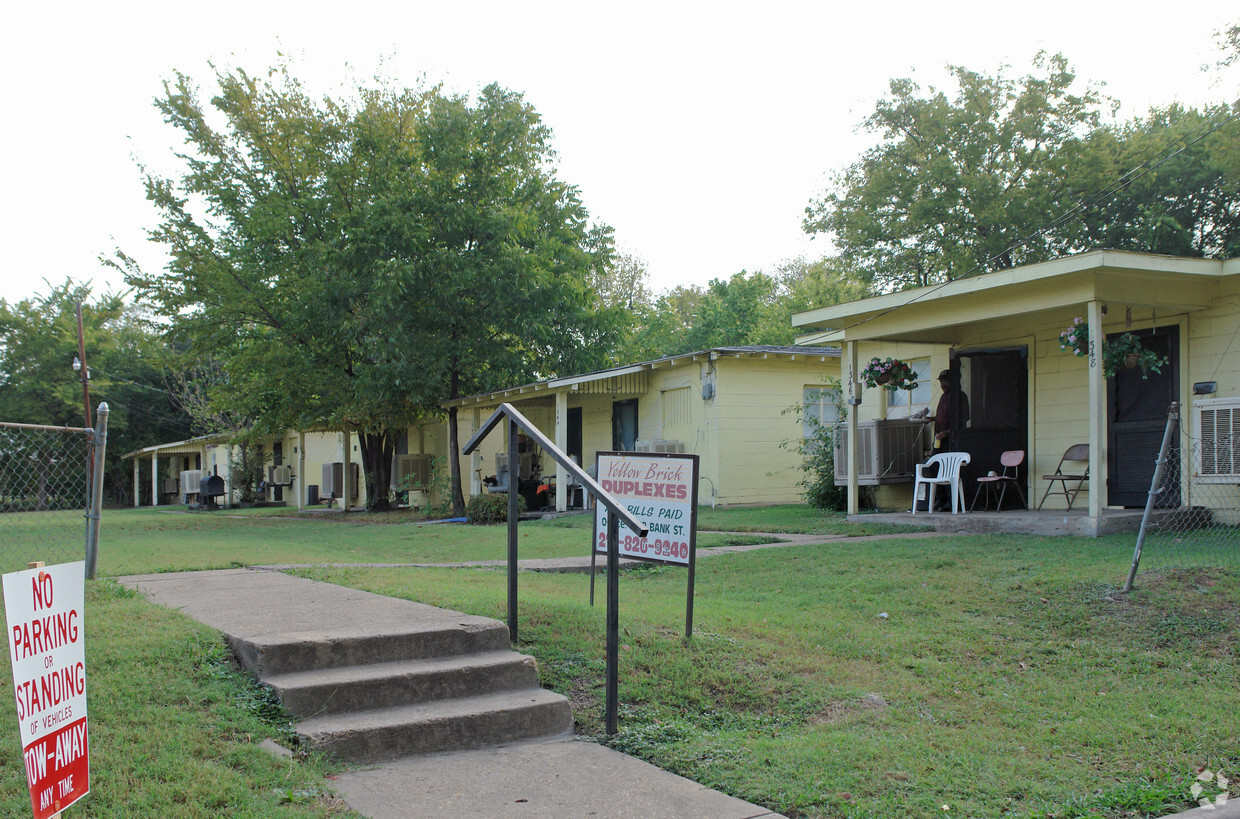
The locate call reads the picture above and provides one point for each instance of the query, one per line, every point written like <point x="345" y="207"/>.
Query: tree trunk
<point x="378" y="449"/>
<point x="454" y="446"/>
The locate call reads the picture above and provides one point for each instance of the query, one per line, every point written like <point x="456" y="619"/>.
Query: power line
<point x="1106" y="193"/>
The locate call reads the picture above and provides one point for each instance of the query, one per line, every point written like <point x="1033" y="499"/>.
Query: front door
<point x="1136" y="420"/>
<point x="624" y="425"/>
<point x="996" y="383"/>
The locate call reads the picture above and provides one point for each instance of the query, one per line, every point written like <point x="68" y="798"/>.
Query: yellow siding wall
<point x="748" y="463"/>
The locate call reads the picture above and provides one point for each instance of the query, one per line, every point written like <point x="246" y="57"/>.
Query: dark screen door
<point x="624" y="425"/>
<point x="1136" y="419"/>
<point x="996" y="383"/>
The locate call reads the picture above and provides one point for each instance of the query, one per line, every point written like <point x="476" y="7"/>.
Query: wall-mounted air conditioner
<point x="888" y="451"/>
<point x="332" y="484"/>
<point x="1217" y="425"/>
<point x="417" y="468"/>
<point x="525" y="459"/>
<point x="170" y="486"/>
<point x="659" y="445"/>
<point x="280" y="475"/>
<point x="190" y="479"/>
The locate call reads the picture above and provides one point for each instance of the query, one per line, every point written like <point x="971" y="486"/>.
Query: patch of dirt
<point x="840" y="710"/>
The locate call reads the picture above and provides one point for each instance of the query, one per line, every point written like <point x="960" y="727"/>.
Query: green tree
<point x="38" y="343"/>
<point x="957" y="183"/>
<point x="351" y="263"/>
<point x="1180" y="193"/>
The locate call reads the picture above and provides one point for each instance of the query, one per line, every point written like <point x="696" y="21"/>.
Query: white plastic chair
<point x="947" y="472"/>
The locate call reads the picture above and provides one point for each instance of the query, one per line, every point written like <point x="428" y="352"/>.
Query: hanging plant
<point x="1123" y="352"/>
<point x="1076" y="338"/>
<point x="890" y="374"/>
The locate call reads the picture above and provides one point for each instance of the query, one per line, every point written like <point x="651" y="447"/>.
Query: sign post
<point x="660" y="491"/>
<point x="44" y="606"/>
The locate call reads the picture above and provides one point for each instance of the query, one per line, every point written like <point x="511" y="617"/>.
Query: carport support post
<point x="514" y="466"/>
<point x="155" y="478"/>
<point x="1097" y="412"/>
<point x="854" y="403"/>
<point x="136" y="478"/>
<point x="561" y="441"/>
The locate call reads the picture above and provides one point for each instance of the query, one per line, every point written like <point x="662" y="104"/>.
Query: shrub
<point x="490" y="508"/>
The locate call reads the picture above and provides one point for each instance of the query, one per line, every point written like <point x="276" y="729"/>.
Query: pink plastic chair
<point x="1011" y="460"/>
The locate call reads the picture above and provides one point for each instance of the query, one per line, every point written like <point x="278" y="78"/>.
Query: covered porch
<point x="999" y="333"/>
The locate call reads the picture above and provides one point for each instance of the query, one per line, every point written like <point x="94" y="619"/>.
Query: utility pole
<point x="79" y="364"/>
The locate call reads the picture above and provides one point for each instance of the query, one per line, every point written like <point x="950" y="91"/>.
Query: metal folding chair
<point x="1077" y="453"/>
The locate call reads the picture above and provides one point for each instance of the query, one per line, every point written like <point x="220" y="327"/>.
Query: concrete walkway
<point x="266" y="611"/>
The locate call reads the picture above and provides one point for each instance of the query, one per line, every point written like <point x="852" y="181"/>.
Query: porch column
<point x="302" y="500"/>
<point x="135" y="481"/>
<point x="346" y="495"/>
<point x="1097" y="412"/>
<point x="561" y="441"/>
<point x="475" y="458"/>
<point x="854" y="405"/>
<point x="154" y="479"/>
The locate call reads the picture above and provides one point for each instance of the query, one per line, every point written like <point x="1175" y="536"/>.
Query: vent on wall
<point x="417" y="468"/>
<point x="659" y="445"/>
<point x="1217" y="421"/>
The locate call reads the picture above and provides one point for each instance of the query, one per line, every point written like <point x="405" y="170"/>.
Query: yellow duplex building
<point x="732" y="406"/>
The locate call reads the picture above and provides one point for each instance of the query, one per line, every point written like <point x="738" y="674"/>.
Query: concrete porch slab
<point x="1052" y="522"/>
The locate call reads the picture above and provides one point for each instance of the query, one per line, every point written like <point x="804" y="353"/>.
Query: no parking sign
<point x="44" y="607"/>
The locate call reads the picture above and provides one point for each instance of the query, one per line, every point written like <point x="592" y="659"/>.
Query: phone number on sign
<point x="651" y="547"/>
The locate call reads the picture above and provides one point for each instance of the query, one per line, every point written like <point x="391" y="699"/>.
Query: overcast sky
<point x="699" y="131"/>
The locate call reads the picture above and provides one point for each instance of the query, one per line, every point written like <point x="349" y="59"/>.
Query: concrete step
<point x="291" y="652"/>
<point x="444" y="725"/>
<point x="385" y="685"/>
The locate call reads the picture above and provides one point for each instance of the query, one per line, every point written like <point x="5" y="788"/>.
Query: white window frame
<point x="821" y="402"/>
<point x="903" y="403"/>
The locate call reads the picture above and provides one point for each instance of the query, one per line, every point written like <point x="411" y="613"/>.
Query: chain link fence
<point x="45" y="493"/>
<point x="1192" y="519"/>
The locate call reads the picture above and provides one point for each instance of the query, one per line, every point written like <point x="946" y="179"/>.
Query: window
<point x="903" y="403"/>
<point x="677" y="407"/>
<point x="822" y="404"/>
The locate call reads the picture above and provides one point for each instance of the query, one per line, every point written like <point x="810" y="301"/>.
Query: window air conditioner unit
<point x="170" y="486"/>
<point x="659" y="445"/>
<point x="332" y="484"/>
<point x="280" y="475"/>
<point x="417" y="468"/>
<point x="1217" y="422"/>
<point x="525" y="461"/>
<point x="887" y="451"/>
<point x="190" y="479"/>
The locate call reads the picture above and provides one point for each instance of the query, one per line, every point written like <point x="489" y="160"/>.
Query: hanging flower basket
<point x="1076" y="338"/>
<point x="1124" y="352"/>
<point x="890" y="374"/>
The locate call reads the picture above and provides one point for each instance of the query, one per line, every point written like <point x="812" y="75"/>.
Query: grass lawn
<point x="1008" y="677"/>
<point x="993" y="675"/>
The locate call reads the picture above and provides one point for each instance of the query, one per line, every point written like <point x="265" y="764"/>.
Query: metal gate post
<point x="1156" y="489"/>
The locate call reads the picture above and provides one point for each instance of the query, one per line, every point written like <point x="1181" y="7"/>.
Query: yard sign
<point x="44" y="609"/>
<point x="660" y="490"/>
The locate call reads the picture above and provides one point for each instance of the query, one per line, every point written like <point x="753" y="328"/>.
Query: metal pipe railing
<point x="617" y="515"/>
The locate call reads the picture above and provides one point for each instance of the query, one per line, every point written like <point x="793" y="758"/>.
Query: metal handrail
<point x="601" y="494"/>
<point x="618" y="513"/>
